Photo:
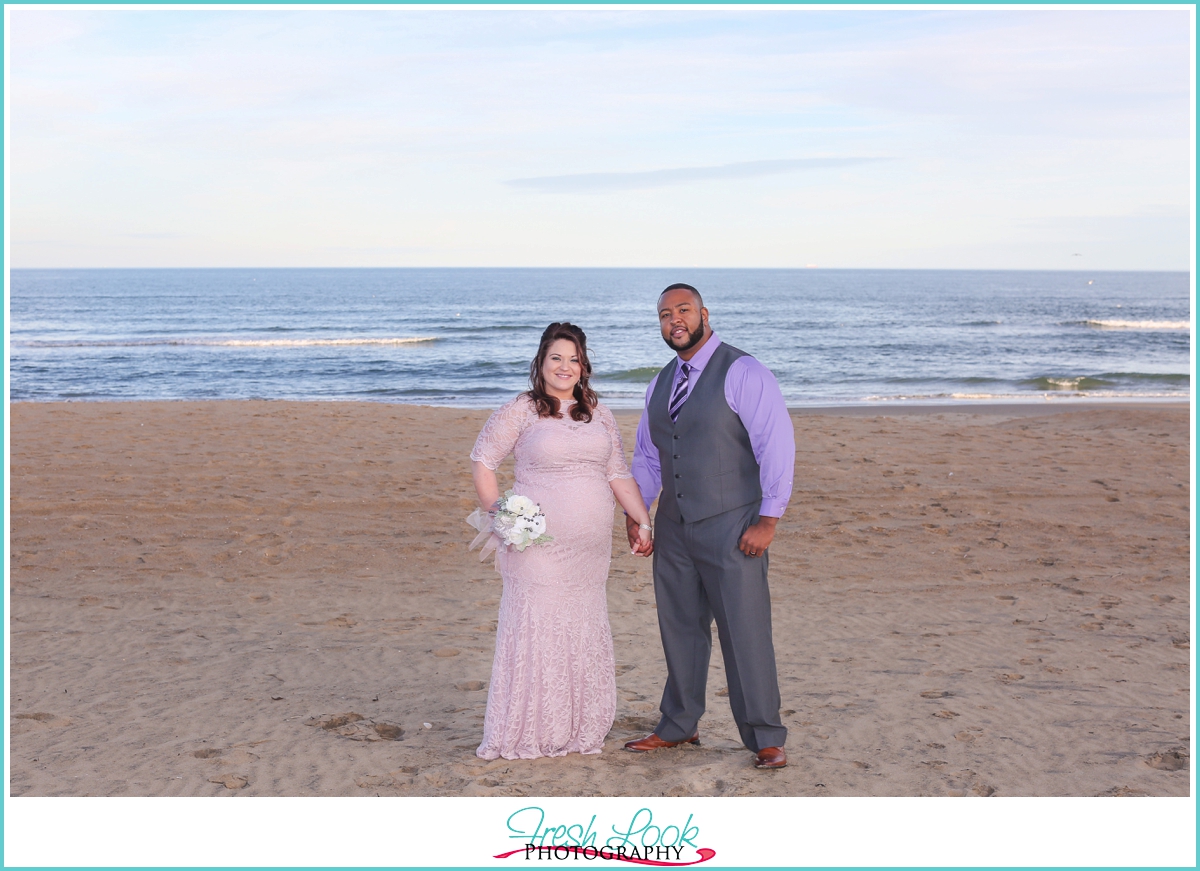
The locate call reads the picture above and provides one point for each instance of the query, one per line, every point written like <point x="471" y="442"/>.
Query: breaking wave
<point x="1138" y="325"/>
<point x="232" y="343"/>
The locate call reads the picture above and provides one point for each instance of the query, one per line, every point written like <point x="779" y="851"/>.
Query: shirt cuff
<point x="772" y="508"/>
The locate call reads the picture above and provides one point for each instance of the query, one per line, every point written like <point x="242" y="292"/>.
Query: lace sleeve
<point x="617" y="467"/>
<point x="500" y="433"/>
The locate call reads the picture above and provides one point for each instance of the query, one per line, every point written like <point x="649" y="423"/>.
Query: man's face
<point x="683" y="323"/>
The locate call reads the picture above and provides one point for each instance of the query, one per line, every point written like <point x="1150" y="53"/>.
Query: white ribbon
<point x="482" y="521"/>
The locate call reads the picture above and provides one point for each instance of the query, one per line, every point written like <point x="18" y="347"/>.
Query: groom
<point x="717" y="440"/>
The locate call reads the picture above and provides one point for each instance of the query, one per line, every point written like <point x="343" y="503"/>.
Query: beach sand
<point x="275" y="598"/>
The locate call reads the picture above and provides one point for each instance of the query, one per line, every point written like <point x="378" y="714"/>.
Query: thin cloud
<point x="603" y="182"/>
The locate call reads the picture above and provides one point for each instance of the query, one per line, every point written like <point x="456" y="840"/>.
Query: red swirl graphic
<point x="705" y="855"/>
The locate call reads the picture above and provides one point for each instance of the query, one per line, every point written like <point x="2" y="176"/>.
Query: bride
<point x="553" y="687"/>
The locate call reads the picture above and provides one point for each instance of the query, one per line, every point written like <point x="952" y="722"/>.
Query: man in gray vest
<point x="717" y="441"/>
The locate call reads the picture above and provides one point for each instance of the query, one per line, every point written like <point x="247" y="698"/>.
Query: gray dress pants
<point x="699" y="574"/>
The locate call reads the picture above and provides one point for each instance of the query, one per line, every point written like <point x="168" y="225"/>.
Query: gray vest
<point x="708" y="465"/>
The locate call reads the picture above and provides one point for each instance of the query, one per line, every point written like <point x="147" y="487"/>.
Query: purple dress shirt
<point x="754" y="396"/>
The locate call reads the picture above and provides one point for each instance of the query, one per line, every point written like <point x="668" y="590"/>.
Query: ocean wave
<point x="942" y="379"/>
<point x="1106" y="381"/>
<point x="641" y="374"/>
<point x="1081" y="382"/>
<point x="1137" y="325"/>
<point x="1164" y="377"/>
<point x="230" y="343"/>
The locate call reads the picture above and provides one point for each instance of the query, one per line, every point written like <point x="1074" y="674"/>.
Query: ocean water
<point x="464" y="337"/>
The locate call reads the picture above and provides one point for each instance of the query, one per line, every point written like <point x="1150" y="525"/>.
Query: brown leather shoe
<point x="653" y="742"/>
<point x="770" y="757"/>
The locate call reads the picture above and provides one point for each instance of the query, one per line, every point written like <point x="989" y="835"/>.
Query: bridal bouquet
<point x="518" y="522"/>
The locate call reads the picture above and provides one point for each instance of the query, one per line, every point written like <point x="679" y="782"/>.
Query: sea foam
<point x="1138" y="325"/>
<point x="231" y="343"/>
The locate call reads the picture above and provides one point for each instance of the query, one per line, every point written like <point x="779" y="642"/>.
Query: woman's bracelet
<point x="645" y="526"/>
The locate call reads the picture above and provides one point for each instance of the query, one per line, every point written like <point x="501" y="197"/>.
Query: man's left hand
<point x="755" y="540"/>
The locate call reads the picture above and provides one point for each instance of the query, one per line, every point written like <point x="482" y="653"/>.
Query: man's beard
<point x="693" y="339"/>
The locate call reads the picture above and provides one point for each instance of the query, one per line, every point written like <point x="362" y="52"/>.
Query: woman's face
<point x="561" y="369"/>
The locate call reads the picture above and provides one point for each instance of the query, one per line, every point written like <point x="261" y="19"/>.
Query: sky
<point x="697" y="137"/>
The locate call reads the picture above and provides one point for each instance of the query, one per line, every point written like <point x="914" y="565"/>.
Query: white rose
<point x="522" y="505"/>
<point x="537" y="525"/>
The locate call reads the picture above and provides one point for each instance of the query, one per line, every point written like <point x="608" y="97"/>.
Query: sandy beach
<point x="276" y="599"/>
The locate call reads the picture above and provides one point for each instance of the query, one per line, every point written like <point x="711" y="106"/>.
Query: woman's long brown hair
<point x="585" y="396"/>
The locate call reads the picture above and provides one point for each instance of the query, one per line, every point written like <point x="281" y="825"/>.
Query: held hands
<point x="755" y="540"/>
<point x="640" y="542"/>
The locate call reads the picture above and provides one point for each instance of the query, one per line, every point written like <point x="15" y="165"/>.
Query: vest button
<point x="674" y="436"/>
<point x="677" y="456"/>
<point x="678" y="495"/>
<point x="679" y="476"/>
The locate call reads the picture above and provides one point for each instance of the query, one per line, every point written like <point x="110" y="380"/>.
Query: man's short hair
<point x="681" y="286"/>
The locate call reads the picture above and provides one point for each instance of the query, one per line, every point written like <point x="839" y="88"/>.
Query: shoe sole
<point x="695" y="741"/>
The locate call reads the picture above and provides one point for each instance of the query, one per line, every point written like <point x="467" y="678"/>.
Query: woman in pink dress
<point x="553" y="688"/>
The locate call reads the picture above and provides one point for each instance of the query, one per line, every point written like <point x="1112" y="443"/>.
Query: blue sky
<point x="987" y="138"/>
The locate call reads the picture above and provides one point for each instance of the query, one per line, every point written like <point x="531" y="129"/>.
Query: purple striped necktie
<point x="680" y="393"/>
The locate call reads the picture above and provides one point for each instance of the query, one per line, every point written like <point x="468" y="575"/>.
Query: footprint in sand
<point x="231" y="781"/>
<point x="356" y="727"/>
<point x="376" y="781"/>
<point x="946" y="715"/>
<point x="936" y="694"/>
<point x="445" y="651"/>
<point x="1010" y="678"/>
<point x="470" y="685"/>
<point x="207" y="752"/>
<point x="1170" y="760"/>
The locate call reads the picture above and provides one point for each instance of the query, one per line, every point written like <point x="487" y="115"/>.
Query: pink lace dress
<point x="553" y="688"/>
